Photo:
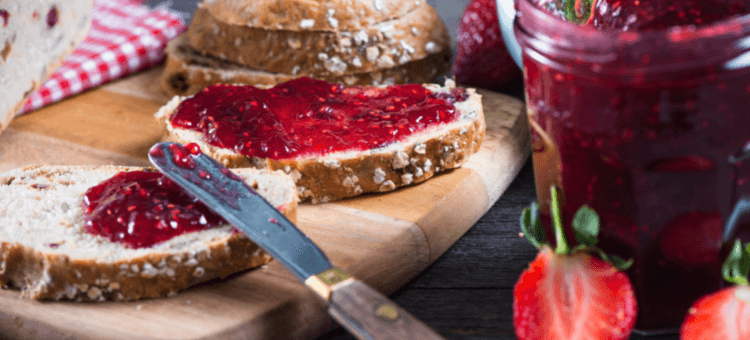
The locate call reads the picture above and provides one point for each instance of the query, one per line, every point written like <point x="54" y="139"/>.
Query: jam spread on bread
<point x="143" y="208"/>
<point x="309" y="117"/>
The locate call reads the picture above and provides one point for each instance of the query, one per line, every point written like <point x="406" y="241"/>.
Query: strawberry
<point x="568" y="293"/>
<point x="724" y="314"/>
<point x="481" y="57"/>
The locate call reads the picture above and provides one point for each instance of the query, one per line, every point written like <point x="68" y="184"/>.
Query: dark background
<point x="467" y="293"/>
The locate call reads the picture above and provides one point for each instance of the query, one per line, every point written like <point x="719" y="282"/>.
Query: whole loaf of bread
<point x="266" y="42"/>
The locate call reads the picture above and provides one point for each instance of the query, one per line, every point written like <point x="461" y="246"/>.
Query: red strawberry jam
<point x="306" y="116"/>
<point x="142" y="208"/>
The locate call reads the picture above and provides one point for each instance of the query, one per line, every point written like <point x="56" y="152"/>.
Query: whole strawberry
<point x="723" y="315"/>
<point x="568" y="294"/>
<point x="481" y="57"/>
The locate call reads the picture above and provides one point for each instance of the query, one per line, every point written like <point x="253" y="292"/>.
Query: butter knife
<point x="360" y="309"/>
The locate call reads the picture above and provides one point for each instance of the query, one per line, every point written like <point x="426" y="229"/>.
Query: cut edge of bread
<point x="338" y="175"/>
<point x="45" y="251"/>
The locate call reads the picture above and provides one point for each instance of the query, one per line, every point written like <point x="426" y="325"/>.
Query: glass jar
<point x="651" y="130"/>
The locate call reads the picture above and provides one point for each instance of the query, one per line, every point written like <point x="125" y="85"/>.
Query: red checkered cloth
<point x="125" y="37"/>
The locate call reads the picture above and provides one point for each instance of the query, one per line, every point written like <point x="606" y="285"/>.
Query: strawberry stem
<point x="562" y="245"/>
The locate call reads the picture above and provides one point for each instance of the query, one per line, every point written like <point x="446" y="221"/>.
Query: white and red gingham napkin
<point x="125" y="37"/>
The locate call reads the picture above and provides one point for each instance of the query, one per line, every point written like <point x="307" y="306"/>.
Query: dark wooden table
<point x="467" y="293"/>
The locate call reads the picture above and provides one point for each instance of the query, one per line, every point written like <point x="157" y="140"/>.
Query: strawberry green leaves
<point x="579" y="11"/>
<point x="531" y="226"/>
<point x="585" y="225"/>
<point x="737" y="266"/>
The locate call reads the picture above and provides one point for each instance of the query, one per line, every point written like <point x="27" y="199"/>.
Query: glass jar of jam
<point x="642" y="111"/>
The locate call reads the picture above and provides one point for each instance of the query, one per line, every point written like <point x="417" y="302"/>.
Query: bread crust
<point x="348" y="15"/>
<point x="336" y="176"/>
<point x="26" y="76"/>
<point x="187" y="72"/>
<point x="413" y="35"/>
<point x="54" y="275"/>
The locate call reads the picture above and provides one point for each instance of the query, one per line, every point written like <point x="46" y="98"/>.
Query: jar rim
<point x="675" y="33"/>
<point x="679" y="47"/>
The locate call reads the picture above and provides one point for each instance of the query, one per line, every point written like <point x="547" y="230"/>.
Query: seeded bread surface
<point x="45" y="251"/>
<point x="328" y="177"/>
<point x="353" y="42"/>
<point x="187" y="71"/>
<point x="31" y="50"/>
<point x="292" y="15"/>
<point x="414" y="35"/>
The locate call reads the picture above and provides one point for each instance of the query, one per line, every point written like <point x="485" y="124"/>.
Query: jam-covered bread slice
<point x="334" y="141"/>
<point x="86" y="233"/>
<point x="35" y="38"/>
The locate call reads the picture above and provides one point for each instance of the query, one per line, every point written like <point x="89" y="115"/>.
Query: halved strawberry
<point x="723" y="315"/>
<point x="570" y="294"/>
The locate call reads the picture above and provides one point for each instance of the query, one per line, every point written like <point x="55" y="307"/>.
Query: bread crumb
<point x="333" y="22"/>
<point x="379" y="176"/>
<point x="387" y="186"/>
<point x="335" y="65"/>
<point x="427" y="165"/>
<point x="371" y="53"/>
<point x="295" y="69"/>
<point x="414" y="31"/>
<point x="199" y="271"/>
<point x="378" y="5"/>
<point x="386" y="61"/>
<point x="406" y="179"/>
<point x="420" y="148"/>
<point x="406" y="47"/>
<point x="349" y="181"/>
<point x="307" y="23"/>
<point x="431" y="47"/>
<point x="294" y="43"/>
<point x="418" y="172"/>
<point x="357" y="62"/>
<point x="400" y="160"/>
<point x="94" y="293"/>
<point x="322" y="56"/>
<point x="360" y="38"/>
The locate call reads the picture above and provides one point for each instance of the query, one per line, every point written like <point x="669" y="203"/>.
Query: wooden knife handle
<point x="369" y="315"/>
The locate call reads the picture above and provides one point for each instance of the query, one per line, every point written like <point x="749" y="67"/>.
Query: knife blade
<point x="363" y="311"/>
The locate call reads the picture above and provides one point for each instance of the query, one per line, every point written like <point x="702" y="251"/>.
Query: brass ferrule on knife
<point x="324" y="283"/>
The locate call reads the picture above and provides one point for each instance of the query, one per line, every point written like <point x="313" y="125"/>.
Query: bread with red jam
<point x="50" y="247"/>
<point x="337" y="163"/>
<point x="359" y="42"/>
<point x="36" y="36"/>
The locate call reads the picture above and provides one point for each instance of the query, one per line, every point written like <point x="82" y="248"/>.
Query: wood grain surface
<point x="383" y="239"/>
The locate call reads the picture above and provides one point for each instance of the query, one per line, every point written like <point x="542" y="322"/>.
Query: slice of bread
<point x="333" y="176"/>
<point x="187" y="71"/>
<point x="322" y="49"/>
<point x="36" y="36"/>
<point x="46" y="252"/>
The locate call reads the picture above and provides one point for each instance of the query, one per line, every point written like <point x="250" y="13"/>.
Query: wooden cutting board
<point x="383" y="239"/>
